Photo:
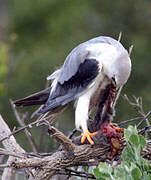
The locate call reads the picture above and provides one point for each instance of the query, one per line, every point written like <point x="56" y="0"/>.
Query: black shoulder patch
<point x="87" y="71"/>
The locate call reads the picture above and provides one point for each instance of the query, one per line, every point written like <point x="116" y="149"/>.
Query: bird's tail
<point x="34" y="99"/>
<point x="54" y="105"/>
<point x="41" y="98"/>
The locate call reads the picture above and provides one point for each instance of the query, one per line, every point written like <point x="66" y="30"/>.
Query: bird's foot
<point x="87" y="135"/>
<point x="113" y="135"/>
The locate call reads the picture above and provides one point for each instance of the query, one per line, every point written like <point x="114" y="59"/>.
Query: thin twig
<point x="117" y="96"/>
<point x="72" y="133"/>
<point x="73" y="174"/>
<point x="120" y="89"/>
<point x="9" y="153"/>
<point x="21" y="129"/>
<point x="138" y="106"/>
<point x="129" y="120"/>
<point x="120" y="36"/>
<point x="145" y="117"/>
<point x="81" y="173"/>
<point x="22" y="124"/>
<point x="40" y="155"/>
<point x="130" y="49"/>
<point x="87" y="173"/>
<point x="69" y="172"/>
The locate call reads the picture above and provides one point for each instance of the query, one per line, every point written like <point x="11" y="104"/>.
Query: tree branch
<point x="69" y="157"/>
<point x="9" y="144"/>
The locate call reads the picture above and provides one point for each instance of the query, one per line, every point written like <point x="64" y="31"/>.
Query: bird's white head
<point x="116" y="64"/>
<point x="121" y="69"/>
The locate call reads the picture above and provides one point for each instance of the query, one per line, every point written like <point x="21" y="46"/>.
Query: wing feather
<point x="72" y="89"/>
<point x="72" y="63"/>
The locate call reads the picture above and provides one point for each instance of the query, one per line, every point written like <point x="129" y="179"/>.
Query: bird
<point x="86" y="74"/>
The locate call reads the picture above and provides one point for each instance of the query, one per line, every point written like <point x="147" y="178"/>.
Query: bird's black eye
<point x="113" y="78"/>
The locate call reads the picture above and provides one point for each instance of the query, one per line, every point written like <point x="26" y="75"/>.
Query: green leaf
<point x="128" y="154"/>
<point x="134" y="139"/>
<point x="149" y="177"/>
<point x="147" y="167"/>
<point x="84" y="168"/>
<point x="136" y="173"/>
<point x="100" y="175"/>
<point x="119" y="172"/>
<point x="142" y="141"/>
<point x="129" y="131"/>
<point x="132" y="166"/>
<point x="97" y="173"/>
<point x="128" y="177"/>
<point x="105" y="168"/>
<point x="146" y="176"/>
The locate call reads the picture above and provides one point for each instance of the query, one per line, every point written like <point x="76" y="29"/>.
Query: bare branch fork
<point x="138" y="106"/>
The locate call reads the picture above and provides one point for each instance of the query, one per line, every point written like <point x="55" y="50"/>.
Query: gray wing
<point x="72" y="88"/>
<point x="72" y="63"/>
<point x="53" y="75"/>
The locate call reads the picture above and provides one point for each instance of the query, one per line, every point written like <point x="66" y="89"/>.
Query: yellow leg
<point x="87" y="135"/>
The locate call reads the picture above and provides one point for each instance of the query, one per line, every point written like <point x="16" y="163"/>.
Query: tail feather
<point x="54" y="104"/>
<point x="52" y="112"/>
<point x="42" y="98"/>
<point x="34" y="99"/>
